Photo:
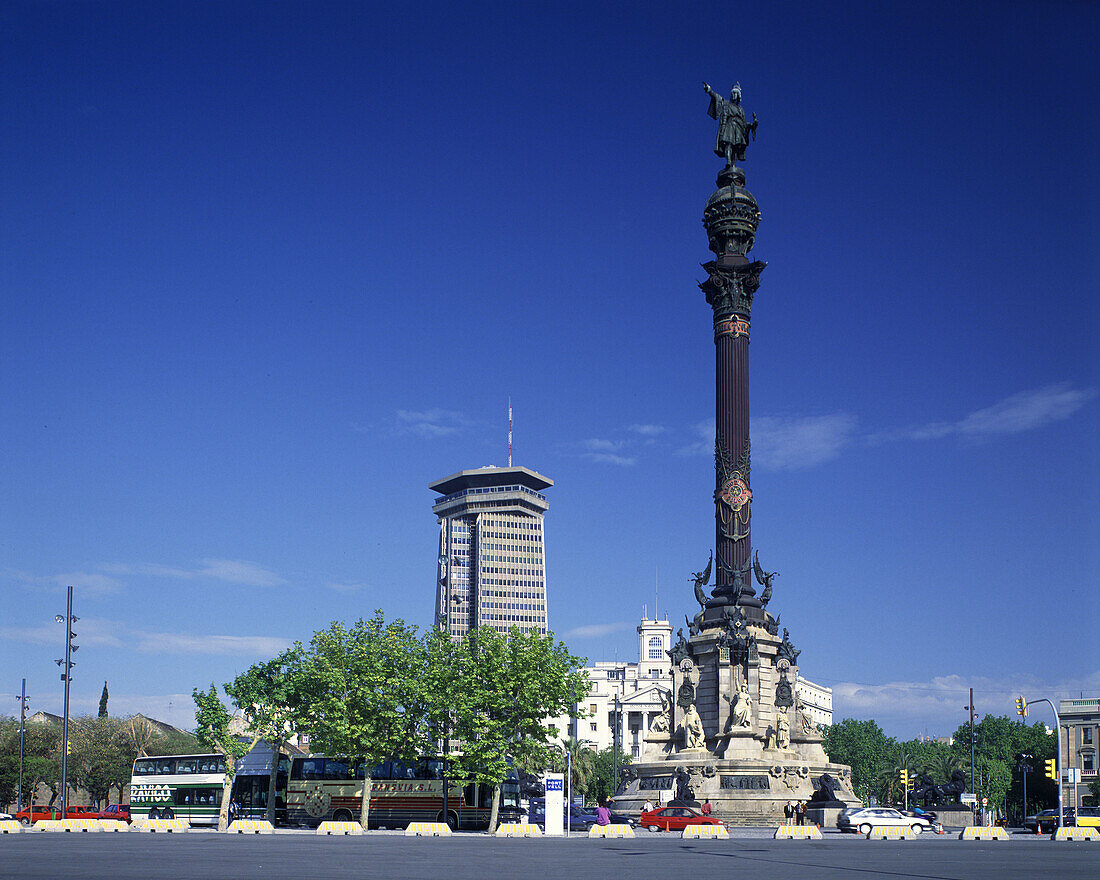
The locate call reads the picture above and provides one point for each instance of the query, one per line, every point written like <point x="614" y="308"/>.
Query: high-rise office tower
<point x="492" y="561"/>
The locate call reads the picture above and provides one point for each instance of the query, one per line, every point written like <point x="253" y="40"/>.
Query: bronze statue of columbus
<point x="733" y="129"/>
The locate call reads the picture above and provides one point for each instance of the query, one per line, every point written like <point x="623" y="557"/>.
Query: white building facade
<point x="627" y="695"/>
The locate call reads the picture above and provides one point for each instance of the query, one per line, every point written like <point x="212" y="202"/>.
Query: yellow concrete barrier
<point x="161" y="826"/>
<point x="10" y="826"/>
<point x="112" y="825"/>
<point x="983" y="832"/>
<point x="428" y="829"/>
<point x="347" y="828"/>
<point x="79" y="825"/>
<point x="1075" y="834"/>
<point x="797" y="832"/>
<point x="712" y="831"/>
<point x="891" y="832"/>
<point x="518" y="829"/>
<point x="250" y="826"/>
<point x="611" y="831"/>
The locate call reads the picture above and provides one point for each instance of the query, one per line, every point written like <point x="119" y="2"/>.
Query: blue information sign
<point x="553" y="784"/>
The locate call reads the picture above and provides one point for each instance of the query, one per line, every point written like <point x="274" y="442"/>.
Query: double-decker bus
<point x="322" y="788"/>
<point x="192" y="786"/>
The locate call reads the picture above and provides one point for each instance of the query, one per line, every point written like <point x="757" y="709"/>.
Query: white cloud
<point x="233" y="571"/>
<point x="431" y="423"/>
<point x="84" y="581"/>
<point x="598" y="630"/>
<point x="936" y="705"/>
<point x="610" y="458"/>
<point x="116" y="634"/>
<point x="345" y="588"/>
<point x="237" y="572"/>
<point x="1015" y="414"/>
<point x="800" y="442"/>
<point x="605" y="452"/>
<point x="647" y="430"/>
<point x="186" y="643"/>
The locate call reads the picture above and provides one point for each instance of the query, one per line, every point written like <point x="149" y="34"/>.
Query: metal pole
<point x="971" y="708"/>
<point x="615" y="750"/>
<point x="1057" y="755"/>
<point x="568" y="793"/>
<point x="65" y="725"/>
<point x="22" y="735"/>
<point x="1023" y="769"/>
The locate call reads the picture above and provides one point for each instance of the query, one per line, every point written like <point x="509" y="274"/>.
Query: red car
<point x="674" y="819"/>
<point x="76" y="812"/>
<point x="121" y="812"/>
<point x="30" y="815"/>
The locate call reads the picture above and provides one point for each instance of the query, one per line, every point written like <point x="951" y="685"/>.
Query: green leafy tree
<point x="264" y="693"/>
<point x="602" y="784"/>
<point x="100" y="759"/>
<point x="360" y="692"/>
<point x="861" y="745"/>
<point x="497" y="691"/>
<point x="212" y="727"/>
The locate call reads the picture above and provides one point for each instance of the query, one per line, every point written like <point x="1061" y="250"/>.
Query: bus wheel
<point x="451" y="820"/>
<point x="342" y="816"/>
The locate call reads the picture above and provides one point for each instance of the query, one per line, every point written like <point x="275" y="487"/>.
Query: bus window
<point x="485" y="796"/>
<point x="145" y="768"/>
<point x="433" y="768"/>
<point x="309" y="768"/>
<point x="360" y="769"/>
<point x="165" y="768"/>
<point x="382" y="771"/>
<point x="335" y="769"/>
<point x="186" y="766"/>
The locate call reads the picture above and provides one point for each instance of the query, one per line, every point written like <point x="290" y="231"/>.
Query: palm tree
<point x="944" y="764"/>
<point x="888" y="780"/>
<point x="582" y="762"/>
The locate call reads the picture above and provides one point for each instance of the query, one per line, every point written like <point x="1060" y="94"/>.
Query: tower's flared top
<point x="731" y="217"/>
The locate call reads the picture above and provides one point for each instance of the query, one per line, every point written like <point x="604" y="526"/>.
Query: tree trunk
<point x="227" y="793"/>
<point x="276" y="749"/>
<point x="494" y="811"/>
<point x="364" y="809"/>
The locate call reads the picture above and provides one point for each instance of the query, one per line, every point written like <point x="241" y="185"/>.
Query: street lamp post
<point x="22" y="698"/>
<point x="1057" y="757"/>
<point x="1024" y="767"/>
<point x="971" y="709"/>
<point x="66" y="676"/>
<point x="615" y="749"/>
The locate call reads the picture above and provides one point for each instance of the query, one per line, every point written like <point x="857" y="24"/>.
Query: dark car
<point x="1047" y="820"/>
<point x="580" y="818"/>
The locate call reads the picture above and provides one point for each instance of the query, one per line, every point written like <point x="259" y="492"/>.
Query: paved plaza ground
<point x="747" y="855"/>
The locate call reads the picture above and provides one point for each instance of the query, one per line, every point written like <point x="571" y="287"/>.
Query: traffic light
<point x="68" y="747"/>
<point x="1051" y="771"/>
<point x="1021" y="707"/>
<point x="903" y="778"/>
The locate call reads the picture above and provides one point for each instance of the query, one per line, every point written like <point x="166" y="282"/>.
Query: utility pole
<point x="22" y="698"/>
<point x="1058" y="757"/>
<point x="971" y="708"/>
<point x="67" y="677"/>
<point x="615" y="750"/>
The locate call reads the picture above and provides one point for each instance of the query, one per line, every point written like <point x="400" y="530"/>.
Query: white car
<point x="4" y="816"/>
<point x="863" y="819"/>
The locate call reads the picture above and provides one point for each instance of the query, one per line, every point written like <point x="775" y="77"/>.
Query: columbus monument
<point x="732" y="730"/>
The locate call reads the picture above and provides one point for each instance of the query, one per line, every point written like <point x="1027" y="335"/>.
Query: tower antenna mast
<point x="509" y="432"/>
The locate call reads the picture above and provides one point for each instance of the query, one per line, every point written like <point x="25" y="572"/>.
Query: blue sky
<point x="270" y="269"/>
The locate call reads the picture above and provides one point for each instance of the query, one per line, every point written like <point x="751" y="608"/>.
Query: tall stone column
<point x="731" y="217"/>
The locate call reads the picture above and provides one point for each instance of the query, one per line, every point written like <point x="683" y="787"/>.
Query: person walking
<point x="647" y="807"/>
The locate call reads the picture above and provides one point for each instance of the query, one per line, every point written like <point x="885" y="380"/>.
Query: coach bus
<point x="192" y="786"/>
<point x="322" y="788"/>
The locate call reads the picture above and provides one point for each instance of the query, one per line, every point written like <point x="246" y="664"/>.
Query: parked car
<point x="121" y="812"/>
<point x="580" y="818"/>
<point x="674" y="819"/>
<point x="6" y="816"/>
<point x="1088" y="817"/>
<point x="30" y="815"/>
<point x="79" y="812"/>
<point x="862" y="819"/>
<point x="1045" y="821"/>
